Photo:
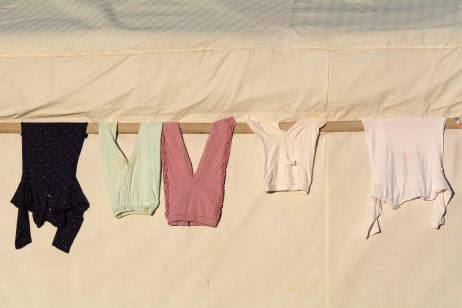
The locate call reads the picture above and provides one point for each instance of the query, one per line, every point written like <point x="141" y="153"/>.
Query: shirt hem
<point x="191" y="220"/>
<point x="135" y="210"/>
<point x="288" y="187"/>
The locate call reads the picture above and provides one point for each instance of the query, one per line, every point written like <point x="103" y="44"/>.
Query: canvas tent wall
<point x="199" y="61"/>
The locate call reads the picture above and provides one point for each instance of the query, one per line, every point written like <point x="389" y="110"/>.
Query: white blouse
<point x="286" y="157"/>
<point x="407" y="163"/>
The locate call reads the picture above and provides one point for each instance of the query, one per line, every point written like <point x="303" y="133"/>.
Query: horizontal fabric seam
<point x="166" y="51"/>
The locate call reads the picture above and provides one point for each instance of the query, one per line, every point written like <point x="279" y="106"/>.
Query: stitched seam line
<point x="203" y="50"/>
<point x="288" y="39"/>
<point x="165" y="174"/>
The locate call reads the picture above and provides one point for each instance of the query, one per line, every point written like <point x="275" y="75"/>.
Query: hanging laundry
<point x="49" y="188"/>
<point x="406" y="157"/>
<point x="133" y="185"/>
<point x="286" y="157"/>
<point x="195" y="198"/>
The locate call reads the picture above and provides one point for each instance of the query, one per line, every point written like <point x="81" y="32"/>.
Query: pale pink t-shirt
<point x="195" y="198"/>
<point x="407" y="163"/>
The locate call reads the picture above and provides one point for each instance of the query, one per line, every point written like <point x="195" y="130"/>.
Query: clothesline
<point x="204" y="128"/>
<point x="402" y="151"/>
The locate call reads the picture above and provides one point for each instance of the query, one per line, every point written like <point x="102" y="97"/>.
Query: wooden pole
<point x="204" y="128"/>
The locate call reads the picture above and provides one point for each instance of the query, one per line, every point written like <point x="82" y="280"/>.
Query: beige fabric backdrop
<point x="270" y="84"/>
<point x="269" y="250"/>
<point x="135" y="60"/>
